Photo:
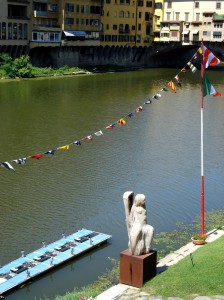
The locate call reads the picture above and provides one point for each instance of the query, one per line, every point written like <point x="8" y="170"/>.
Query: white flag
<point x="98" y="133"/>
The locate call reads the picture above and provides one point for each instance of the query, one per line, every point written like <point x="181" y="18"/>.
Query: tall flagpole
<point x="202" y="147"/>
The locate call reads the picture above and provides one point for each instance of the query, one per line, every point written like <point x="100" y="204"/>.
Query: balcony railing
<point x="121" y="30"/>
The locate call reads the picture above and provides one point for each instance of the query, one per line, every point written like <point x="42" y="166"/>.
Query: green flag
<point x="209" y="88"/>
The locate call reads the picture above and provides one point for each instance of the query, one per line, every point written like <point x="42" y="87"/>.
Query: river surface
<point x="156" y="153"/>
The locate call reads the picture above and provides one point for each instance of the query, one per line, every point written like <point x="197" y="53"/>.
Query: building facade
<point x="196" y="19"/>
<point x="38" y="23"/>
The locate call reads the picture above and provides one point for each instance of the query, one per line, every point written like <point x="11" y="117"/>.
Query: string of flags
<point x="209" y="59"/>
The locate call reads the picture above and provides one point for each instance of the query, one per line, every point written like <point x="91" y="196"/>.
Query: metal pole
<point x="202" y="147"/>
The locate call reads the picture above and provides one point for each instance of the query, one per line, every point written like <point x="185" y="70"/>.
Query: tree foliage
<point x="19" y="67"/>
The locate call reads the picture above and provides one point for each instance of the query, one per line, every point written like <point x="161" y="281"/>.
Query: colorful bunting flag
<point x="172" y="86"/>
<point x="139" y="109"/>
<point x="148" y="102"/>
<point x="121" y="122"/>
<point x="192" y="67"/>
<point x="7" y="166"/>
<point x="98" y="133"/>
<point x="209" y="88"/>
<point x="20" y="161"/>
<point x="156" y="96"/>
<point x="178" y="80"/>
<point x="111" y="126"/>
<point x="89" y="137"/>
<point x="66" y="147"/>
<point x="37" y="156"/>
<point x="209" y="59"/>
<point x="51" y="152"/>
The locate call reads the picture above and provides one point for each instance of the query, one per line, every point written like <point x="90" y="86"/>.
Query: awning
<point x="217" y="33"/>
<point x="194" y="31"/>
<point x="74" y="33"/>
<point x="185" y="32"/>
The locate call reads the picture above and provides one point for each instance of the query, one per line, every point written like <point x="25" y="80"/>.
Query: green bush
<point x="20" y="67"/>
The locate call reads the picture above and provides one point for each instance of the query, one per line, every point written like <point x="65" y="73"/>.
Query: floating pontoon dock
<point x="29" y="266"/>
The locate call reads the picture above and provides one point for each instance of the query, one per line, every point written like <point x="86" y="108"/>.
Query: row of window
<point x="83" y="9"/>
<point x="216" y="34"/>
<point x="46" y="36"/>
<point x="120" y="38"/>
<point x="87" y="22"/>
<point x="13" y="31"/>
<point x="124" y="28"/>
<point x="126" y="14"/>
<point x="196" y="5"/>
<point x="176" y="16"/>
<point x="70" y="7"/>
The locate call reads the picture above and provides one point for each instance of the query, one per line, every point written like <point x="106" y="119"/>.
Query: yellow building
<point x="127" y="22"/>
<point x="158" y="17"/>
<point x="80" y="22"/>
<point x="45" y="26"/>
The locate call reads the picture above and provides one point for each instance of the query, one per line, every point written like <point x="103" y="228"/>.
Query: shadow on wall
<point x="156" y="55"/>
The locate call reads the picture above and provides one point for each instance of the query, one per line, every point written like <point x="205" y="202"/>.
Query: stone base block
<point x="136" y="270"/>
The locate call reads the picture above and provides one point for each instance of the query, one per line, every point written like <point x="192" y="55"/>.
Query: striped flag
<point x="7" y="166"/>
<point x="192" y="67"/>
<point x="20" y="161"/>
<point x="209" y="59"/>
<point x="111" y="126"/>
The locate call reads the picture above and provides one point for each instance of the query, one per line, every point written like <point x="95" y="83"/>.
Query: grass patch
<point x="203" y="276"/>
<point x="92" y="290"/>
<point x="167" y="242"/>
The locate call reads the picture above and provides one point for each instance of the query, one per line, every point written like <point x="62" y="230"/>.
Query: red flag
<point x="37" y="156"/>
<point x="209" y="58"/>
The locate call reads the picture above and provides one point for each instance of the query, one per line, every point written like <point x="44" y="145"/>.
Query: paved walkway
<point x="125" y="292"/>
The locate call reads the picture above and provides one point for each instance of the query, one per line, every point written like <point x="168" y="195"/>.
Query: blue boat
<point x="29" y="266"/>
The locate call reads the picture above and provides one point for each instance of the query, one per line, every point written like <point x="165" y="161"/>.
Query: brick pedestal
<point x="136" y="270"/>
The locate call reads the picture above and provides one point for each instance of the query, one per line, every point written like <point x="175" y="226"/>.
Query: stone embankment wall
<point x="156" y="55"/>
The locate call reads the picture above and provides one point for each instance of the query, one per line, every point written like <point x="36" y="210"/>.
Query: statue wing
<point x="128" y="199"/>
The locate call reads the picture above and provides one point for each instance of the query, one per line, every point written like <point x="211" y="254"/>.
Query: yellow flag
<point x="66" y="147"/>
<point x="121" y="122"/>
<point x="200" y="50"/>
<point x="172" y="86"/>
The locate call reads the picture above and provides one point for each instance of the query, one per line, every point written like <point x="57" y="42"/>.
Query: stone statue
<point x="140" y="234"/>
